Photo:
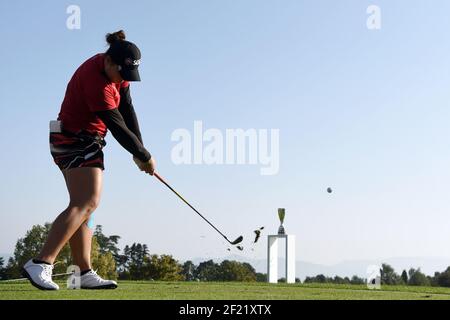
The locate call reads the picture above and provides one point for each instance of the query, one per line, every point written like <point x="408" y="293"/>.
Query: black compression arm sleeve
<point x="127" y="110"/>
<point x="115" y="123"/>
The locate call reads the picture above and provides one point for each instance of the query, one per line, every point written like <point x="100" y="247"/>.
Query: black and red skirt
<point x="76" y="150"/>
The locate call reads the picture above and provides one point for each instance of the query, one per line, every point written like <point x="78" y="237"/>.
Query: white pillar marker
<point x="272" y="253"/>
<point x="272" y="258"/>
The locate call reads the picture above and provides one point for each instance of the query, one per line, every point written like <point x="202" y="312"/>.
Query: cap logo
<point x="130" y="62"/>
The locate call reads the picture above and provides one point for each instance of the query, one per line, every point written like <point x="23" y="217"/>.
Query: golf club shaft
<point x="179" y="196"/>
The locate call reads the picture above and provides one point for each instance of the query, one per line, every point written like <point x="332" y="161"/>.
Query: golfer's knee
<point x="85" y="207"/>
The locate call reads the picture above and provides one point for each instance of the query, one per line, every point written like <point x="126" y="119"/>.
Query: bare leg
<point x="80" y="243"/>
<point x="84" y="186"/>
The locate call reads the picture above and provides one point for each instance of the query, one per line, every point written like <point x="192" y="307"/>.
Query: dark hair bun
<point x="115" y="36"/>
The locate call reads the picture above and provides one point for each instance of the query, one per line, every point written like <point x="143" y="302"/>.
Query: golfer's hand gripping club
<point x="147" y="167"/>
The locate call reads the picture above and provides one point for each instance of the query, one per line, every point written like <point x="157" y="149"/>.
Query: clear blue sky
<point x="365" y="112"/>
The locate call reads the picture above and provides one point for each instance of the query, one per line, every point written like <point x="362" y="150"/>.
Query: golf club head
<point x="238" y="240"/>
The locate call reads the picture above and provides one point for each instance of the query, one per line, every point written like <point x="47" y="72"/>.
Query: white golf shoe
<point x="92" y="280"/>
<point x="40" y="275"/>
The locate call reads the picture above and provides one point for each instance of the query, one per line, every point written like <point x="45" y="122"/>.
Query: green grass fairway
<point x="225" y="291"/>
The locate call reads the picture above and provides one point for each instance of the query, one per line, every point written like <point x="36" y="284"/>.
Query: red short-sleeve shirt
<point x="89" y="91"/>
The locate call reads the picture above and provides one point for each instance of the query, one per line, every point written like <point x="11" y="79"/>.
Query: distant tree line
<point x="412" y="277"/>
<point x="103" y="253"/>
<point x="336" y="280"/>
<point x="135" y="262"/>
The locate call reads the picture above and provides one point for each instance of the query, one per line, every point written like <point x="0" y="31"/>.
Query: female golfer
<point x="97" y="98"/>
